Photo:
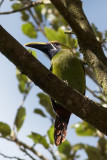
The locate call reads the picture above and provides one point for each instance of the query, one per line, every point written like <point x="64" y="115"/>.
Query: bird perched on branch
<point x="66" y="66"/>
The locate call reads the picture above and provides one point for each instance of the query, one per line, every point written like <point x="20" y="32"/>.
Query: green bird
<point x="66" y="66"/>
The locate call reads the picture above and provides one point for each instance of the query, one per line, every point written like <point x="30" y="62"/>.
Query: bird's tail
<point x="61" y="123"/>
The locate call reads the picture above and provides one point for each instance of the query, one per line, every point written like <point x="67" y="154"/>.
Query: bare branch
<point x="25" y="146"/>
<point x="24" y="150"/>
<point x="28" y="6"/>
<point x="17" y="158"/>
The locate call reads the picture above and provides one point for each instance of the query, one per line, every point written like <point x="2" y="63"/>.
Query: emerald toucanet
<point x="66" y="66"/>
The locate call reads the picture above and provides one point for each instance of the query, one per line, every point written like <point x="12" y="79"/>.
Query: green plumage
<point x="68" y="67"/>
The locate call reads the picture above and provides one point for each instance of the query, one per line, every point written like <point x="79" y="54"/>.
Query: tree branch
<point x="28" y="6"/>
<point x="17" y="158"/>
<point x="72" y="11"/>
<point x="80" y="105"/>
<point x="23" y="150"/>
<point x="25" y="146"/>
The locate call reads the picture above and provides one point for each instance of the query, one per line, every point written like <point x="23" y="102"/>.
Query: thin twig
<point x="1" y="2"/>
<point x="1" y="154"/>
<point x="90" y="73"/>
<point x="98" y="97"/>
<point x="23" y="150"/>
<point x="36" y="21"/>
<point x="53" y="155"/>
<point x="68" y="32"/>
<point x="25" y="146"/>
<point x="32" y="4"/>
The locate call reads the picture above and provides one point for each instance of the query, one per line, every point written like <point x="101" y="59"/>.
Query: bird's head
<point x="50" y="49"/>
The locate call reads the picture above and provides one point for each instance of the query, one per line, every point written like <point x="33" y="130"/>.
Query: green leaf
<point x="24" y="16"/>
<point x="21" y="77"/>
<point x="37" y="138"/>
<point x="84" y="129"/>
<point x="40" y="112"/>
<point x="73" y="43"/>
<point x="93" y="153"/>
<point x="45" y="101"/>
<point x="65" y="148"/>
<point x="29" y="30"/>
<point x="34" y="54"/>
<point x="53" y="35"/>
<point x="78" y="146"/>
<point x="17" y="6"/>
<point x="20" y="117"/>
<point x="50" y="133"/>
<point x="4" y="129"/>
<point x="38" y="10"/>
<point x="22" y="86"/>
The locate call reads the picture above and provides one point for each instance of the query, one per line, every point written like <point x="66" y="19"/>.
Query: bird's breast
<point x="69" y="68"/>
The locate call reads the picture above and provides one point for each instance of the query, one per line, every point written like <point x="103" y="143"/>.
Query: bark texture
<point x="73" y="101"/>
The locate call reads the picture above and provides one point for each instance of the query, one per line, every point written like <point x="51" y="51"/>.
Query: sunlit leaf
<point x="34" y="54"/>
<point x="51" y="134"/>
<point x="45" y="101"/>
<point x="20" y="117"/>
<point x="84" y="129"/>
<point x="37" y="138"/>
<point x="29" y="30"/>
<point x="56" y="35"/>
<point x="39" y="112"/>
<point x="21" y="77"/>
<point x="4" y="129"/>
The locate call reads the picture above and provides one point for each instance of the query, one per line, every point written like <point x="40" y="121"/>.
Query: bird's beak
<point x="36" y="45"/>
<point x="44" y="47"/>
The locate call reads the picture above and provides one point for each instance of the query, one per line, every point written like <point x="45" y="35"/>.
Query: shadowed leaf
<point x="45" y="101"/>
<point x="51" y="134"/>
<point x="4" y="129"/>
<point x="37" y="138"/>
<point x="40" y="112"/>
<point x="16" y="6"/>
<point x="20" y="117"/>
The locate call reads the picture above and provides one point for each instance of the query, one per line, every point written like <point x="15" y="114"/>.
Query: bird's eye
<point x="56" y="44"/>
